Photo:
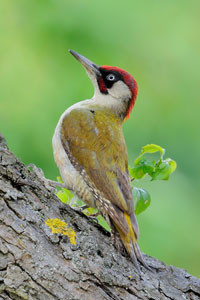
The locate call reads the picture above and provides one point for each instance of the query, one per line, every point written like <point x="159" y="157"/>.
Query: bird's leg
<point x="49" y="184"/>
<point x="96" y="214"/>
<point x="92" y="216"/>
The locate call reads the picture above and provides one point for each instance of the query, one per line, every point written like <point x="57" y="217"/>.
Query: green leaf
<point x="142" y="200"/>
<point x="90" y="211"/>
<point x="149" y="148"/>
<point x="160" y="169"/>
<point x="164" y="169"/>
<point x="144" y="167"/>
<point x="172" y="164"/>
<point x="64" y="195"/>
<point x="152" y="148"/>
<point x="137" y="172"/>
<point x="103" y="223"/>
<point x="59" y="179"/>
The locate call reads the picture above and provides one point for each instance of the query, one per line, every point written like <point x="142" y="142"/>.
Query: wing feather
<point x="96" y="141"/>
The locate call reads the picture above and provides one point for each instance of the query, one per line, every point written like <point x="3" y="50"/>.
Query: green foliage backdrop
<point x="156" y="41"/>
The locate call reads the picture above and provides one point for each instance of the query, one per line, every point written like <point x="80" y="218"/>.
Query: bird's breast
<point x="70" y="176"/>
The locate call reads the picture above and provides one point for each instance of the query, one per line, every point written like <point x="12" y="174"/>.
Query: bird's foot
<point x="94" y="217"/>
<point x="80" y="208"/>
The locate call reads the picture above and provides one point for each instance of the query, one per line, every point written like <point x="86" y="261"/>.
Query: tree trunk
<point x="37" y="264"/>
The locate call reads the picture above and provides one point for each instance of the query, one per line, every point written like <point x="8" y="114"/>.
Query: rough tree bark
<point x="36" y="264"/>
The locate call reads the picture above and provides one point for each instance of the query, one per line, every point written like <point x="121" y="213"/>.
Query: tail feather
<point x="130" y="241"/>
<point x="140" y="257"/>
<point x="134" y="225"/>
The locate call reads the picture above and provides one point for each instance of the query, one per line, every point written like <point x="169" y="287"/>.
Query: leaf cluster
<point x="146" y="165"/>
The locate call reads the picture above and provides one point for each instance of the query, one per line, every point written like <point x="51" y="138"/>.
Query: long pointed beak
<point x="91" y="67"/>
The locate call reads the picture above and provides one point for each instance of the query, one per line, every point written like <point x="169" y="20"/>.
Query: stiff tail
<point x="129" y="241"/>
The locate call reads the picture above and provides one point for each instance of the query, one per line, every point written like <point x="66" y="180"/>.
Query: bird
<point x="91" y="153"/>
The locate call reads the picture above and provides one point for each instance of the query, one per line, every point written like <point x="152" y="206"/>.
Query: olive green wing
<point x="96" y="142"/>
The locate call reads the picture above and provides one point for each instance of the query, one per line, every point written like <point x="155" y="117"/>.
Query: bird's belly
<point x="70" y="176"/>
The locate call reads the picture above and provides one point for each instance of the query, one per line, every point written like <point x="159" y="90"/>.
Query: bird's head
<point x="113" y="86"/>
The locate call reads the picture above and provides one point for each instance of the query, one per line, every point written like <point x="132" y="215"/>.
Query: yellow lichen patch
<point x="58" y="226"/>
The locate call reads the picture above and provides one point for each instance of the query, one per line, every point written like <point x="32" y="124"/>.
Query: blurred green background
<point x="156" y="41"/>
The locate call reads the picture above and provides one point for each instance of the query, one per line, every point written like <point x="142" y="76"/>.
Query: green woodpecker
<point x="91" y="154"/>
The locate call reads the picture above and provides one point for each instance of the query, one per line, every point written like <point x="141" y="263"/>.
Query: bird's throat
<point x="115" y="106"/>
